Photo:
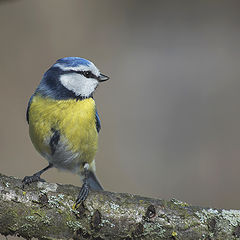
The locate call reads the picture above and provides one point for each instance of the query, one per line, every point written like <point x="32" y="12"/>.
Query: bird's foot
<point x="30" y="179"/>
<point x="82" y="194"/>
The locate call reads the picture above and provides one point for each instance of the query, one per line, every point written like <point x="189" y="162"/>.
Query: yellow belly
<point x="75" y="120"/>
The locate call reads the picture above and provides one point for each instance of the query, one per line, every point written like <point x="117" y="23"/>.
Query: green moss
<point x="179" y="203"/>
<point x="8" y="219"/>
<point x="154" y="227"/>
<point x="60" y="211"/>
<point x="38" y="216"/>
<point x="13" y="228"/>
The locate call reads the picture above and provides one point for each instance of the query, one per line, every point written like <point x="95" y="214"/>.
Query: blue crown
<point x="73" y="61"/>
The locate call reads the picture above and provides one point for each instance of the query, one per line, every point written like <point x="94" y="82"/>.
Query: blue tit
<point x="64" y="122"/>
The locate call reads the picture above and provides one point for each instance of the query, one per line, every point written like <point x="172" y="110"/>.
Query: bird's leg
<point x="89" y="182"/>
<point x="36" y="177"/>
<point x="85" y="187"/>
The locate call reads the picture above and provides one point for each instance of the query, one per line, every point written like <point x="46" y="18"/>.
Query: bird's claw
<point x="30" y="179"/>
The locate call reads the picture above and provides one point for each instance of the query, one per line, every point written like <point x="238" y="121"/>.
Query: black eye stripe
<point x="87" y="74"/>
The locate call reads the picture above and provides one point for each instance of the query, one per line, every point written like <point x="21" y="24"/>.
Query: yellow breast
<point x="75" y="120"/>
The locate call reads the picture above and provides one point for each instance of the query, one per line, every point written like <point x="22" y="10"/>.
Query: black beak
<point x="102" y="78"/>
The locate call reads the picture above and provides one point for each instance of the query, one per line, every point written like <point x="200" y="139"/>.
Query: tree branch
<point x="44" y="211"/>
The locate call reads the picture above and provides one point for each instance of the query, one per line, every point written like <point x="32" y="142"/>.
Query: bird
<point x="64" y="123"/>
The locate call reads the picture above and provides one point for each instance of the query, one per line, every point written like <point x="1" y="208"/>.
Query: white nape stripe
<point x="91" y="67"/>
<point x="79" y="84"/>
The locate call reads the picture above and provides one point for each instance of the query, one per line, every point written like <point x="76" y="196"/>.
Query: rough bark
<point x="45" y="211"/>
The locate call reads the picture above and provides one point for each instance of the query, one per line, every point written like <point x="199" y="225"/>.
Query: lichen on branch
<point x="45" y="211"/>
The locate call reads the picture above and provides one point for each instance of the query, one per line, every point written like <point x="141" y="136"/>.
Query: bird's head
<point x="71" y="77"/>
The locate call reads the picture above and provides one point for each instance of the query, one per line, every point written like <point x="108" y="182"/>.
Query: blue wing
<point x="29" y="103"/>
<point x="98" y="123"/>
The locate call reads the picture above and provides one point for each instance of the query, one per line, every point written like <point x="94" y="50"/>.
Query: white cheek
<point x="79" y="84"/>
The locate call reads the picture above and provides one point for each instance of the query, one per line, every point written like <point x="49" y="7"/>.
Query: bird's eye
<point x="87" y="74"/>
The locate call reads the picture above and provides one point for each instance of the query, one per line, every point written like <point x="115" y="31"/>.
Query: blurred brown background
<point x="170" y="113"/>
